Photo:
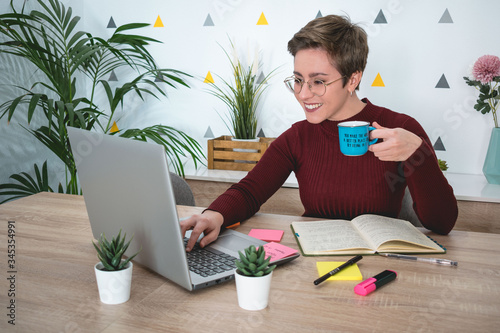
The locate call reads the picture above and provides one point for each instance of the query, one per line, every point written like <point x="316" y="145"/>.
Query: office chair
<point x="182" y="192"/>
<point x="407" y="213"/>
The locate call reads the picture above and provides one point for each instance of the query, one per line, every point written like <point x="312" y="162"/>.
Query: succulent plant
<point x="253" y="262"/>
<point x="110" y="253"/>
<point x="443" y="165"/>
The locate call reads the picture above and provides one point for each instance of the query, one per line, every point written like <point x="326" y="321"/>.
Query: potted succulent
<point x="253" y="278"/>
<point x="113" y="273"/>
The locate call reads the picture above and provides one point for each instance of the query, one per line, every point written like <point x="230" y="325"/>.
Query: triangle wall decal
<point x="439" y="145"/>
<point x="442" y="83"/>
<point x="380" y="19"/>
<point x="208" y="21"/>
<point x="378" y="81"/>
<point x="158" y="23"/>
<point x="319" y="14"/>
<point x="111" y="23"/>
<point x="261" y="134"/>
<point x="446" y="17"/>
<point x="112" y="76"/>
<point x="262" y="20"/>
<point x="114" y="128"/>
<point x="209" y="133"/>
<point x="209" y="78"/>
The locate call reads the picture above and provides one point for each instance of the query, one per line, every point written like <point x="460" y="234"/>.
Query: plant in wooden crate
<point x="113" y="273"/>
<point x="241" y="95"/>
<point x="253" y="278"/>
<point x="74" y="66"/>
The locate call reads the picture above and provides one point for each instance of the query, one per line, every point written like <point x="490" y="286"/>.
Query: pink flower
<point x="486" y="68"/>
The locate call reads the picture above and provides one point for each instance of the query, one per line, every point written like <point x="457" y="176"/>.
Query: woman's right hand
<point x="209" y="223"/>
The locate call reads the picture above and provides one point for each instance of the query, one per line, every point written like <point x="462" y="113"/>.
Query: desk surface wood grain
<point x="56" y="291"/>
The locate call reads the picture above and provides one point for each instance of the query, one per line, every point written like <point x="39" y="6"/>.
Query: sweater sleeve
<point x="433" y="198"/>
<point x="243" y="199"/>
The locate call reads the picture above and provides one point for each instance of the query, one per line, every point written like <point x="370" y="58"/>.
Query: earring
<point x="351" y="93"/>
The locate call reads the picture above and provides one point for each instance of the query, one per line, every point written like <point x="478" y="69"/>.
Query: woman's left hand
<point x="398" y="144"/>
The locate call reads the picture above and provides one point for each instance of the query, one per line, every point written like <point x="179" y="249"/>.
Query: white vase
<point x="114" y="286"/>
<point x="253" y="292"/>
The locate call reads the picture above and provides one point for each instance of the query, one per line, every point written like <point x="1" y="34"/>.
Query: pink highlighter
<point x="373" y="283"/>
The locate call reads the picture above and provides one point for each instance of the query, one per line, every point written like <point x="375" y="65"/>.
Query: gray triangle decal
<point x="209" y="133"/>
<point x="443" y="83"/>
<point x="159" y="78"/>
<point x="261" y="78"/>
<point x="111" y="23"/>
<point x="208" y="21"/>
<point x="261" y="134"/>
<point x="112" y="76"/>
<point x="380" y="19"/>
<point x="446" y="18"/>
<point x="319" y="14"/>
<point x="439" y="145"/>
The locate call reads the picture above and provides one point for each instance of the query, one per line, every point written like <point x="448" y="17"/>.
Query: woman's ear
<point x="354" y="81"/>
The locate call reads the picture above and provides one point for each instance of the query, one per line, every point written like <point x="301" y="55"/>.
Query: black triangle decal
<point x="261" y="134"/>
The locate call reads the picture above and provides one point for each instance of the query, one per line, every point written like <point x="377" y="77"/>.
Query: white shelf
<point x="466" y="187"/>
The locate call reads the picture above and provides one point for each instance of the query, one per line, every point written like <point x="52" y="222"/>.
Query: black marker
<point x="338" y="269"/>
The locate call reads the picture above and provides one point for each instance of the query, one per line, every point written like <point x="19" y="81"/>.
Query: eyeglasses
<point x="317" y="88"/>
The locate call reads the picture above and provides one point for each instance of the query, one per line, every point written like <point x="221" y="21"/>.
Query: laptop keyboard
<point x="207" y="262"/>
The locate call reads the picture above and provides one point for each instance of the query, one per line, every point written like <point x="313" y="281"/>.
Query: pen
<point x="431" y="260"/>
<point x="338" y="269"/>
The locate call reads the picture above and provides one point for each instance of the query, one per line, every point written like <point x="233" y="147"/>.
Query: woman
<point x="330" y="55"/>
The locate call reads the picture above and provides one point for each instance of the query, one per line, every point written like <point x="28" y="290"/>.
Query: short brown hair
<point x="346" y="43"/>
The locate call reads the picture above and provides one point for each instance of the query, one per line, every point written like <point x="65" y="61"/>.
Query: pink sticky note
<point x="278" y="251"/>
<point x="267" y="235"/>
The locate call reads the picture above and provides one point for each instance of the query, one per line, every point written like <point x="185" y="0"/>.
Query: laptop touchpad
<point x="234" y="242"/>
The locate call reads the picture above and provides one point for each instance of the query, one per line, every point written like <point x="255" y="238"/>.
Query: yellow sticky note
<point x="350" y="273"/>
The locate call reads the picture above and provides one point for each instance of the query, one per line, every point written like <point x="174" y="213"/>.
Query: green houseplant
<point x="113" y="273"/>
<point x="241" y="95"/>
<point x="253" y="278"/>
<point x="75" y="66"/>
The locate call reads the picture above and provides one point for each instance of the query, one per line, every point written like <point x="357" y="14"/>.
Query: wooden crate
<point x="221" y="154"/>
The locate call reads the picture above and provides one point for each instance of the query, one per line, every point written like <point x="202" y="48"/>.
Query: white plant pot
<point x="253" y="292"/>
<point x="114" y="286"/>
<point x="242" y="150"/>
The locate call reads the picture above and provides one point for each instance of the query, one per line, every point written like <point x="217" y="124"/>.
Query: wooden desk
<point x="55" y="288"/>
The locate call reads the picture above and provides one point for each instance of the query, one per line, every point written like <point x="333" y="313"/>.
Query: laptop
<point x="126" y="185"/>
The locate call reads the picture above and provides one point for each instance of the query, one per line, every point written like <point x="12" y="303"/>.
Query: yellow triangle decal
<point x="209" y="78"/>
<point x="262" y="20"/>
<point x="114" y="128"/>
<point x="378" y="81"/>
<point x="158" y="23"/>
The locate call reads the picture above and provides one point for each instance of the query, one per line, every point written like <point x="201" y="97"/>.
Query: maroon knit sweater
<point x="335" y="186"/>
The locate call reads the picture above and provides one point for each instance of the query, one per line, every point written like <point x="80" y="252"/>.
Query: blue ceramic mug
<point x="354" y="137"/>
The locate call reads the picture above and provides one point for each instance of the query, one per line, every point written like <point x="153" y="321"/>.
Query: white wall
<point x="411" y="52"/>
